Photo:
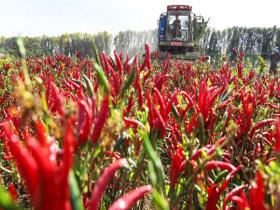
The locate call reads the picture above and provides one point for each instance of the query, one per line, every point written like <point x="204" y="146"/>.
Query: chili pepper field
<point x="131" y="132"/>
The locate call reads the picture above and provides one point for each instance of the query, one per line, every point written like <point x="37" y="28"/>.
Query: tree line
<point x="67" y="44"/>
<point x="253" y="42"/>
<point x="215" y="43"/>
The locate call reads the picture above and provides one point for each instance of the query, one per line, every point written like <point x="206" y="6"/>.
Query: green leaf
<point x="220" y="176"/>
<point x="44" y="100"/>
<point x="80" y="83"/>
<point x="89" y="85"/>
<point x="21" y="47"/>
<point x="128" y="82"/>
<point x="201" y="130"/>
<point x="159" y="201"/>
<point x="176" y="113"/>
<point x="156" y="162"/>
<point x="225" y="96"/>
<point x="75" y="196"/>
<point x="96" y="54"/>
<point x="102" y="78"/>
<point x="6" y="202"/>
<point x="153" y="175"/>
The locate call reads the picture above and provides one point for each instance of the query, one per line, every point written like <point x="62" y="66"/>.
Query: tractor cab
<point x="178" y="25"/>
<point x="178" y="30"/>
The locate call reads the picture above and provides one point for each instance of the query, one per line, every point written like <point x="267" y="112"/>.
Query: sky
<point x="55" y="17"/>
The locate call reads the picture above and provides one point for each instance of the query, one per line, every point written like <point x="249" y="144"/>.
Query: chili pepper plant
<point x="126" y="132"/>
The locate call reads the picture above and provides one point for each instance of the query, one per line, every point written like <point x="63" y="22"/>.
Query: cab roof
<point x="179" y="7"/>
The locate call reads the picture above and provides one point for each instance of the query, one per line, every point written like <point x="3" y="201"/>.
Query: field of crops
<point x="130" y="132"/>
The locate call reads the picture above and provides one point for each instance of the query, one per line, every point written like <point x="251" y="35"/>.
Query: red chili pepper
<point x="111" y="64"/>
<point x="6" y="66"/>
<point x="256" y="192"/>
<point x="63" y="200"/>
<point x="214" y="192"/>
<point x="190" y="100"/>
<point x="213" y="164"/>
<point x="273" y="106"/>
<point x="203" y="99"/>
<point x="40" y="170"/>
<point x="45" y="166"/>
<point x="259" y="125"/>
<point x="84" y="121"/>
<point x="41" y="133"/>
<point x="57" y="105"/>
<point x="25" y="163"/>
<point x="240" y="69"/>
<point x="147" y="59"/>
<point x="193" y="123"/>
<point x="67" y="85"/>
<point x="102" y="182"/>
<point x="172" y="145"/>
<point x="54" y="177"/>
<point x="13" y="191"/>
<point x="213" y="197"/>
<point x="151" y="110"/>
<point x="137" y="84"/>
<point x="74" y="84"/>
<point x="161" y="103"/>
<point x="101" y="60"/>
<point x="115" y="155"/>
<point x="101" y="119"/>
<point x="178" y="134"/>
<point x="127" y="201"/>
<point x="68" y="140"/>
<point x="209" y="151"/>
<point x="118" y="61"/>
<point x="128" y="109"/>
<point x="167" y="64"/>
<point x="160" y="119"/>
<point x="215" y="94"/>
<point x="277" y="135"/>
<point x="178" y="162"/>
<point x="241" y="202"/>
<point x="132" y="123"/>
<point x="229" y="178"/>
<point x="140" y="96"/>
<point x="271" y="88"/>
<point x="106" y="64"/>
<point x="137" y="75"/>
<point x="116" y="82"/>
<point x="160" y="80"/>
<point x="127" y="67"/>
<point x="229" y="110"/>
<point x="244" y="119"/>
<point x="231" y="194"/>
<point x="85" y="200"/>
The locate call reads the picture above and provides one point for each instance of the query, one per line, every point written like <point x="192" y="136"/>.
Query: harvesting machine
<point x="179" y="33"/>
